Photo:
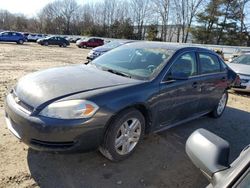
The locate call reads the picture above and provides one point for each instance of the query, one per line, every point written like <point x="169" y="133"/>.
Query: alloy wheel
<point x="128" y="135"/>
<point x="222" y="104"/>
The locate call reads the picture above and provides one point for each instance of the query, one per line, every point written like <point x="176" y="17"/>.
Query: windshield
<point x="139" y="63"/>
<point x="113" y="44"/>
<point x="243" y="59"/>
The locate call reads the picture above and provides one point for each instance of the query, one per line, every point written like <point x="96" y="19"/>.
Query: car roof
<point x="168" y="46"/>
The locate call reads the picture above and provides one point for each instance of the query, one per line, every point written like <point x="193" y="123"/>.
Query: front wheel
<point x="219" y="109"/>
<point x="123" y="135"/>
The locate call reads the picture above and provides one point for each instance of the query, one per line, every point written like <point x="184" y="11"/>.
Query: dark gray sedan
<point x="113" y="101"/>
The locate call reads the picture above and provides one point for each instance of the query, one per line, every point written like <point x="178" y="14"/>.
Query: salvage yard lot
<point x="160" y="160"/>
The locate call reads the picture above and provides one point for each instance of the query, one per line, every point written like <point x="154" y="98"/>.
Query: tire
<point x="84" y="46"/>
<point x="220" y="107"/>
<point x="64" y="45"/>
<point x="127" y="129"/>
<point x="46" y="43"/>
<point x="20" y="41"/>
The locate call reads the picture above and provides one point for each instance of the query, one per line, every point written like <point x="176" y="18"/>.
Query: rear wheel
<point x="219" y="109"/>
<point x="123" y="135"/>
<point x="20" y="41"/>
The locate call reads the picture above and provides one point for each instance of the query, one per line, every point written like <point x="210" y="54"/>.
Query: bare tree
<point x="162" y="7"/>
<point x="186" y="10"/>
<point x="140" y="12"/>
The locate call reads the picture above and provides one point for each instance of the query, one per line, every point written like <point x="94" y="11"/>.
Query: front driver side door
<point x="179" y="99"/>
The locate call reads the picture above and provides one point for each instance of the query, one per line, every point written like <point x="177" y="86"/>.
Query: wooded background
<point x="207" y="21"/>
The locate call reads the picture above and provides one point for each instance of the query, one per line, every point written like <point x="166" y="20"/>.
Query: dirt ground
<point x="160" y="160"/>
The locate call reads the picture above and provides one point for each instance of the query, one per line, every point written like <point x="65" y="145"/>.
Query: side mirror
<point x="208" y="152"/>
<point x="178" y="76"/>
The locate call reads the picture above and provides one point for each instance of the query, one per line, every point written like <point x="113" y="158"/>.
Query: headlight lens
<point x="71" y="109"/>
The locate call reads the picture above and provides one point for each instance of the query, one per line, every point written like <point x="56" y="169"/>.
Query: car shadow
<point x="160" y="161"/>
<point x="14" y="43"/>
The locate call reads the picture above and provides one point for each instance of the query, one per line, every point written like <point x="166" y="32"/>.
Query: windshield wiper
<point x="118" y="73"/>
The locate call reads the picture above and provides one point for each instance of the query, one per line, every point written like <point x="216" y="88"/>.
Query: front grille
<point x="47" y="144"/>
<point x="22" y="103"/>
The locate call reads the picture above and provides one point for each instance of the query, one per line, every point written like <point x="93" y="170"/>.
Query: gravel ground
<point x="160" y="160"/>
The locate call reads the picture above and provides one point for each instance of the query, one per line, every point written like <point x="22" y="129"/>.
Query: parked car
<point x="25" y="36"/>
<point x="9" y="36"/>
<point x="95" y="52"/>
<point x="54" y="40"/>
<point x="74" y="39"/>
<point x="210" y="154"/>
<point x="35" y="37"/>
<point x="238" y="52"/>
<point x="113" y="101"/>
<point x="241" y="65"/>
<point x="89" y="42"/>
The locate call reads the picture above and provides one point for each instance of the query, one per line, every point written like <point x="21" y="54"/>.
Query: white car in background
<point x="241" y="65"/>
<point x="35" y="37"/>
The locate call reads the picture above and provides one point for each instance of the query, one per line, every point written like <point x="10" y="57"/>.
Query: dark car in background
<point x="9" y="36"/>
<point x="210" y="153"/>
<point x="114" y="100"/>
<point x="89" y="42"/>
<point x="95" y="52"/>
<point x="54" y="40"/>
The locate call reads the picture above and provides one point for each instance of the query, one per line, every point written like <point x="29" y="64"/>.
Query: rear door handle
<point x="223" y="78"/>
<point x="195" y="85"/>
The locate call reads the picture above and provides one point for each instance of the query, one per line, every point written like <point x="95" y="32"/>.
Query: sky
<point x="27" y="7"/>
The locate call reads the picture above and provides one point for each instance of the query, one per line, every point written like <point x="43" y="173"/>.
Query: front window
<point x="244" y="59"/>
<point x="185" y="64"/>
<point x="139" y="63"/>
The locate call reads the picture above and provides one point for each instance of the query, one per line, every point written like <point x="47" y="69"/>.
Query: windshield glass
<point x="139" y="63"/>
<point x="243" y="59"/>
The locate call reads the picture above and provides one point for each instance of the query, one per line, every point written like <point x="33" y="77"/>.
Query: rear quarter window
<point x="209" y="63"/>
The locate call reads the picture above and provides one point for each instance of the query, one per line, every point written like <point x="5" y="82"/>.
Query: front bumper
<point x="49" y="134"/>
<point x="244" y="85"/>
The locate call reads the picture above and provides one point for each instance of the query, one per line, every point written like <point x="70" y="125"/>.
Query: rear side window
<point x="186" y="64"/>
<point x="209" y="63"/>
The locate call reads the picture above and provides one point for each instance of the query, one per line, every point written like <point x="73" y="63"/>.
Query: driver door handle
<point x="195" y="84"/>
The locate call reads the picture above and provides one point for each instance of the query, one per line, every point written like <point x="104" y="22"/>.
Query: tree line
<point x="205" y="21"/>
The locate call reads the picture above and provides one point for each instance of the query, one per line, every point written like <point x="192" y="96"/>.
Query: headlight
<point x="100" y="53"/>
<point x="71" y="109"/>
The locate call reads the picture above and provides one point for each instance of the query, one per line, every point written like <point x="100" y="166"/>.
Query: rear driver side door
<point x="213" y="80"/>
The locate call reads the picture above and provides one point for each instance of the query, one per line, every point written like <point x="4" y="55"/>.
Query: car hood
<point x="55" y="83"/>
<point x="240" y="68"/>
<point x="101" y="49"/>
